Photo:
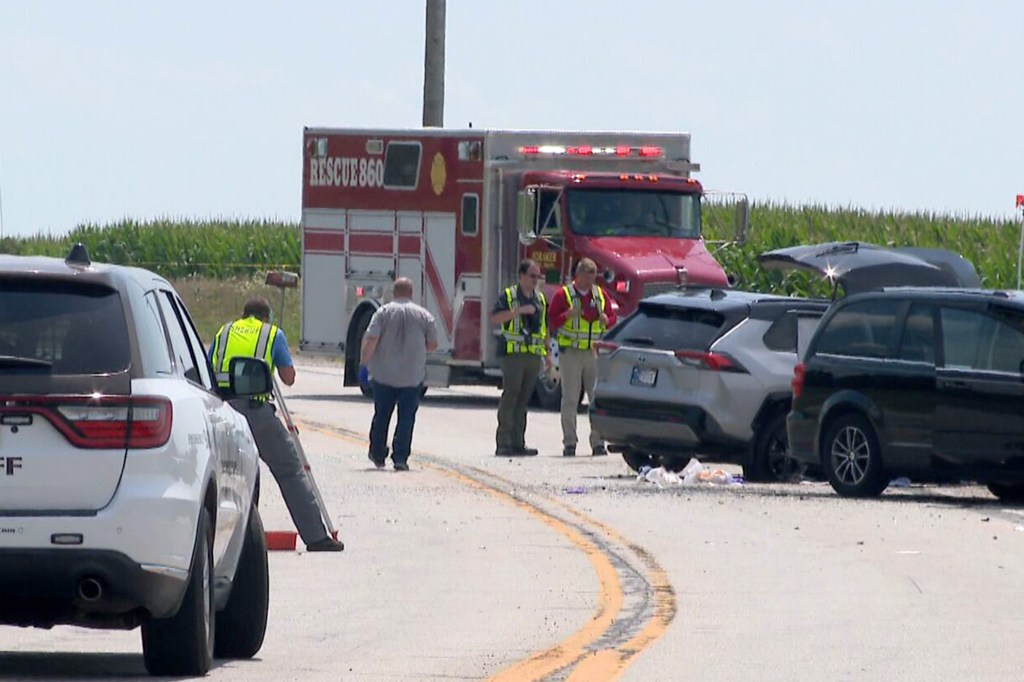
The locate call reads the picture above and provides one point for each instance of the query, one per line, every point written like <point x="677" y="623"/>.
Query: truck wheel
<point x="852" y="457"/>
<point x="243" y="622"/>
<point x="548" y="392"/>
<point x="771" y="462"/>
<point x="364" y="322"/>
<point x="183" y="644"/>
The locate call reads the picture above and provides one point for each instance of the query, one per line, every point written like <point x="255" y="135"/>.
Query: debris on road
<point x="692" y="474"/>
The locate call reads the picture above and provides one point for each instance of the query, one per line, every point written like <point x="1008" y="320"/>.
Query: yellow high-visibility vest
<point x="250" y="338"/>
<point x="577" y="332"/>
<point x="517" y="340"/>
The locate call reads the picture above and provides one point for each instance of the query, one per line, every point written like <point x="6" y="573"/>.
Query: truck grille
<point x="652" y="288"/>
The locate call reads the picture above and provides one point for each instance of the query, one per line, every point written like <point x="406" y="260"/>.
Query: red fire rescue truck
<point x="456" y="210"/>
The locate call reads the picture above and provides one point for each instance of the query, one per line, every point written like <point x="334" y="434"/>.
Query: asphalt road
<point x="474" y="567"/>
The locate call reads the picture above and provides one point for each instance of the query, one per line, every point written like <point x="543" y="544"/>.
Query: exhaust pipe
<point x="90" y="589"/>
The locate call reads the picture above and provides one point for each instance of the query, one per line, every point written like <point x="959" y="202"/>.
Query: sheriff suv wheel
<point x="183" y="643"/>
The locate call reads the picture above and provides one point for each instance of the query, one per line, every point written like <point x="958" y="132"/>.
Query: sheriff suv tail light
<point x="102" y="422"/>
<point x="799" y="373"/>
<point x="716" y="362"/>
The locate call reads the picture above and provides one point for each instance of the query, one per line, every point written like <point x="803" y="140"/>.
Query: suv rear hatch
<point x="64" y="394"/>
<point x="657" y="353"/>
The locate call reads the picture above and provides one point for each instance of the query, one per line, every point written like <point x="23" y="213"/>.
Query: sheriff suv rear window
<point x="666" y="328"/>
<point x="402" y="165"/>
<point x="61" y="327"/>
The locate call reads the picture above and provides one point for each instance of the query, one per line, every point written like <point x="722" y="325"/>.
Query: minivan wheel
<point x="852" y="458"/>
<point x="637" y="460"/>
<point x="771" y="462"/>
<point x="1011" y="493"/>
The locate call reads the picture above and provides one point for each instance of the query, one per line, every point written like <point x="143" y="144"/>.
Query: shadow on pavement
<point x="455" y="401"/>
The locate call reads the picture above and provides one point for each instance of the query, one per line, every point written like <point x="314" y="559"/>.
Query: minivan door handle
<point x="953" y="383"/>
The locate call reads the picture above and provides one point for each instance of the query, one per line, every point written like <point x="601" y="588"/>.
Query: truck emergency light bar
<point x="644" y="152"/>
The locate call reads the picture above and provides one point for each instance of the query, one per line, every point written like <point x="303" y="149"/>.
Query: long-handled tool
<point x="293" y="431"/>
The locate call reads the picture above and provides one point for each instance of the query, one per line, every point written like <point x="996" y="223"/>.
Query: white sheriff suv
<point x="128" y="485"/>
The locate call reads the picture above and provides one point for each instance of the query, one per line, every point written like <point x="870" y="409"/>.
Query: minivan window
<point x="918" y="341"/>
<point x="70" y="328"/>
<point x="668" y="328"/>
<point x="973" y="339"/>
<point x="863" y="329"/>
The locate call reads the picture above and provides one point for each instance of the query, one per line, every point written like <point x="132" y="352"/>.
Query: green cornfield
<point x="245" y="249"/>
<point x="179" y="248"/>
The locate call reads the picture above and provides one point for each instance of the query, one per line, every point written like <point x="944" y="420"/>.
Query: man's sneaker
<point x="598" y="450"/>
<point x="401" y="466"/>
<point x="569" y="451"/>
<point x="328" y="544"/>
<point x="527" y="452"/>
<point x="379" y="463"/>
<point x="506" y="452"/>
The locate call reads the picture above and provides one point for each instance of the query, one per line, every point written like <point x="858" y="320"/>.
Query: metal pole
<point x="433" y="66"/>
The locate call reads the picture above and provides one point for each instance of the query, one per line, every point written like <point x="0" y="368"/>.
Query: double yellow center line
<point x="610" y="641"/>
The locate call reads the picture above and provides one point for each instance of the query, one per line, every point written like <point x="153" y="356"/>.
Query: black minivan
<point x="922" y="382"/>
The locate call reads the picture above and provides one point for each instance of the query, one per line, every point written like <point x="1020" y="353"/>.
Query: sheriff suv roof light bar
<point x="644" y="152"/>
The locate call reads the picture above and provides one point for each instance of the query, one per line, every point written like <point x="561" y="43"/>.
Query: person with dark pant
<point x="395" y="348"/>
<point x="254" y="336"/>
<point x="521" y="312"/>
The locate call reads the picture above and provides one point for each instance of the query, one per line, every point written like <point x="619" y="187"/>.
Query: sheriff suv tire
<point x="183" y="643"/>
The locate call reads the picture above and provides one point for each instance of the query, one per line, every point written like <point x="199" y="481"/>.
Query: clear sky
<point x="196" y="109"/>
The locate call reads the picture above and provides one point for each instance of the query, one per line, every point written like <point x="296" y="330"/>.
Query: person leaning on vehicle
<point x="521" y="311"/>
<point x="252" y="335"/>
<point x="580" y="314"/>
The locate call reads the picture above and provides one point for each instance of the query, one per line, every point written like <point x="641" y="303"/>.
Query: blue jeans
<point x="385" y="398"/>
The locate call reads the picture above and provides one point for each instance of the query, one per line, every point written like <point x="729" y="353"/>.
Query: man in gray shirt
<point x="395" y="348"/>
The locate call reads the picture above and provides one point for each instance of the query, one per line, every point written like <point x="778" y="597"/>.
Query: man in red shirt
<point x="579" y="314"/>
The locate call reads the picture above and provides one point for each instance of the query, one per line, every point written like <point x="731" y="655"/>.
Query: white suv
<point x="128" y="486"/>
<point x="703" y="372"/>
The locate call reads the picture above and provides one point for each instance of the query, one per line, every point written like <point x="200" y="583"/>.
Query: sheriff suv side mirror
<point x="249" y="376"/>
<point x="526" y="215"/>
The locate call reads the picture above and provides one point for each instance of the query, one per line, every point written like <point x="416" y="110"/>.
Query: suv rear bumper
<point x="664" y="429"/>
<point x="45" y="587"/>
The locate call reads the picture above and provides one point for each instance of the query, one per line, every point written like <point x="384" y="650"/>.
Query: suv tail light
<point x="605" y="347"/>
<point x="716" y="362"/>
<point x="799" y="372"/>
<point x="100" y="422"/>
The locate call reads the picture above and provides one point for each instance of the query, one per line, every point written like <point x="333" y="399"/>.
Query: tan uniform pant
<point x="578" y="369"/>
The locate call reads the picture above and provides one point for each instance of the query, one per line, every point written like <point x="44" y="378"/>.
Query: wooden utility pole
<point x="433" y="66"/>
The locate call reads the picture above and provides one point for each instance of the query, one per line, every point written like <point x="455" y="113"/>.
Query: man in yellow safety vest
<point x="580" y="314"/>
<point x="252" y="335"/>
<point x="521" y="313"/>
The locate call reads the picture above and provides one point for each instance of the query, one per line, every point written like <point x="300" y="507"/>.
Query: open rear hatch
<point x="65" y="394"/>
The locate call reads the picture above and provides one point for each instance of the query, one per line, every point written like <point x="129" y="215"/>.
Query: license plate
<point x="644" y="376"/>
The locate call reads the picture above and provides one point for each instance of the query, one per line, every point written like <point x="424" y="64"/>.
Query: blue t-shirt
<point x="279" y="354"/>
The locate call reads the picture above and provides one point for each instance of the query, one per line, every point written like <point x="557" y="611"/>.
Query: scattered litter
<point x="576" y="490"/>
<point x="908" y="551"/>
<point x="1020" y="528"/>
<point x="901" y="482"/>
<point x="692" y="474"/>
<point x="985" y="519"/>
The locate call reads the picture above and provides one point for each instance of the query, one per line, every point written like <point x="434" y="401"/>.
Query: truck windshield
<point x="631" y="213"/>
